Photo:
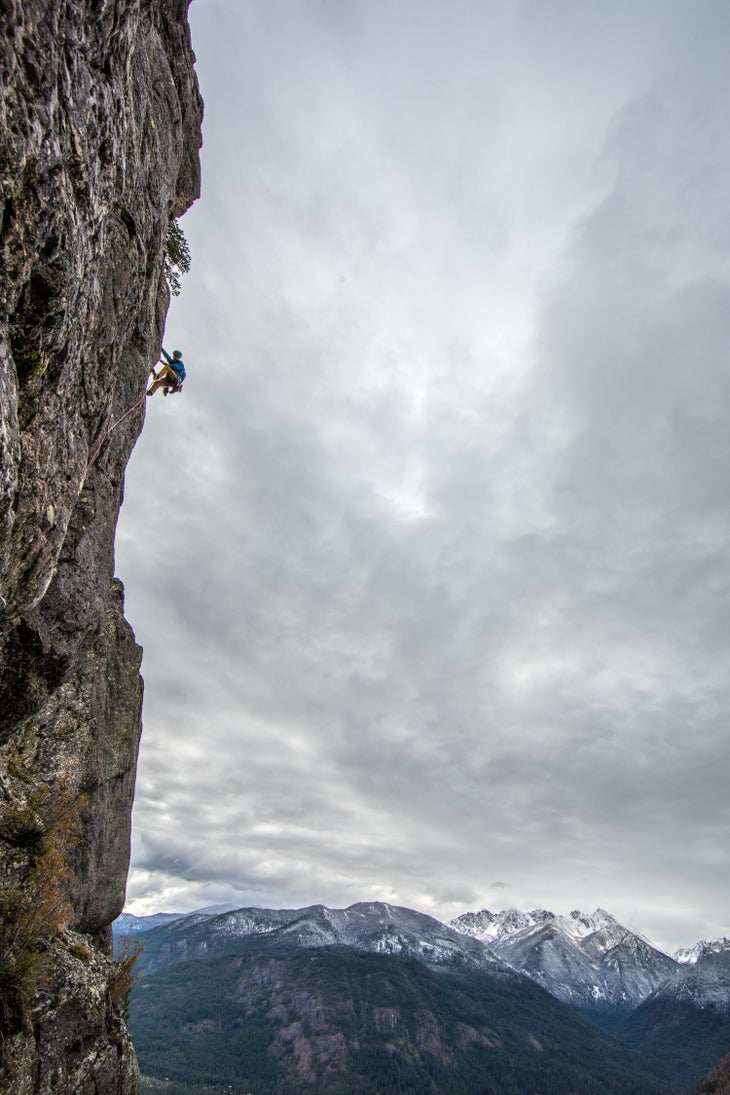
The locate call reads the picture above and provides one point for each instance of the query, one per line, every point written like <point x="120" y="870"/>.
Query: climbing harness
<point x="97" y="450"/>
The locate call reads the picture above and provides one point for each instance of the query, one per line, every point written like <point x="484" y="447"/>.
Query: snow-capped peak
<point x="579" y="924"/>
<point x="688" y="956"/>
<point x="488" y="926"/>
<point x="585" y="959"/>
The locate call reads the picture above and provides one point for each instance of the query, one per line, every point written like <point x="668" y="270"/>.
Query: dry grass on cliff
<point x="124" y="977"/>
<point x="34" y="909"/>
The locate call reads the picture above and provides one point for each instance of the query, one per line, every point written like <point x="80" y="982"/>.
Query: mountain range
<point x="674" y="1014"/>
<point x="689" y="955"/>
<point x="588" y="961"/>
<point x="376" y="927"/>
<point x="129" y="924"/>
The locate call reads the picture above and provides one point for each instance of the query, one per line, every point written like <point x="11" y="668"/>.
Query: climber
<point x="171" y="375"/>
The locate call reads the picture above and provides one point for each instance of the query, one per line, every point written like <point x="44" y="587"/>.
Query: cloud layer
<point x="430" y="562"/>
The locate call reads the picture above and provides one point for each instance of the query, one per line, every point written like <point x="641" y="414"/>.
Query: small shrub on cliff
<point x="18" y="768"/>
<point x="177" y="256"/>
<point x="80" y="950"/>
<point x="122" y="980"/>
<point x="21" y="822"/>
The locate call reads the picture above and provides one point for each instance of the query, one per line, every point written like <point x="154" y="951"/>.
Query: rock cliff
<point x="99" y="137"/>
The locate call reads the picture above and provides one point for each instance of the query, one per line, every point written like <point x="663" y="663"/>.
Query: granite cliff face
<point x="99" y="137"/>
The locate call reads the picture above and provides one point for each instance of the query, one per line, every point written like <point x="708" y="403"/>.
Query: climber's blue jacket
<point x="176" y="364"/>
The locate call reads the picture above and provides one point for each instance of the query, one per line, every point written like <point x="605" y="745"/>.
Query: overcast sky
<point x="431" y="559"/>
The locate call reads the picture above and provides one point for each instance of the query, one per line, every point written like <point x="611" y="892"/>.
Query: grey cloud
<point x="429" y="559"/>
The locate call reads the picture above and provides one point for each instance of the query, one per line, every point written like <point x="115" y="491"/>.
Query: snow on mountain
<point x="129" y="924"/>
<point x="705" y="983"/>
<point x="589" y="961"/>
<point x="370" y="926"/>
<point x="374" y="926"/>
<point x="580" y="926"/>
<point x="489" y="926"/>
<point x="687" y="956"/>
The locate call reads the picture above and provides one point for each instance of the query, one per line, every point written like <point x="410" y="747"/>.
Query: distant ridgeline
<point x="376" y="999"/>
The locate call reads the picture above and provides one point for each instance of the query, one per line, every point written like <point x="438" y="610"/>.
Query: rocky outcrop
<point x="99" y="138"/>
<point x="718" y="1082"/>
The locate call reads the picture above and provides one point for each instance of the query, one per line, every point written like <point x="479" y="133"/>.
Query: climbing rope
<point x="97" y="450"/>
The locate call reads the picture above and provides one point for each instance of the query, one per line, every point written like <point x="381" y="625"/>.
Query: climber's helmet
<point x="177" y="353"/>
